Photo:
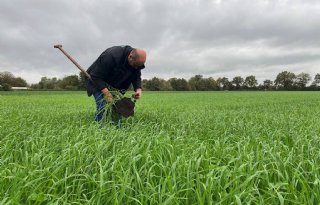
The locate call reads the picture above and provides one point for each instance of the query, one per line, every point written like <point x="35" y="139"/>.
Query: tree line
<point x="284" y="81"/>
<point x="71" y="82"/>
<point x="8" y="80"/>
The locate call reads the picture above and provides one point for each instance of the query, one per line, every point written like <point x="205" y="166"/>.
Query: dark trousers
<point x="100" y="105"/>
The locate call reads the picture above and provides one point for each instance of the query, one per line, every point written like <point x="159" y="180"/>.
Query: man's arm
<point x="103" y="66"/>
<point x="137" y="85"/>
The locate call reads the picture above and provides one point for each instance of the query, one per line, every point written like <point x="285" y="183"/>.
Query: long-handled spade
<point x="72" y="60"/>
<point x="124" y="106"/>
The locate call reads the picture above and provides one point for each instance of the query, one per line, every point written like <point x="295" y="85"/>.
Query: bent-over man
<point x="117" y="67"/>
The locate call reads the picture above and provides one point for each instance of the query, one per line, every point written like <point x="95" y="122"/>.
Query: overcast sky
<point x="182" y="37"/>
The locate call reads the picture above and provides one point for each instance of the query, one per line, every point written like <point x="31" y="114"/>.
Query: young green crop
<point x="179" y="148"/>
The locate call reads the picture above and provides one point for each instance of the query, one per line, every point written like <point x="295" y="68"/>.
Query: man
<point x="117" y="67"/>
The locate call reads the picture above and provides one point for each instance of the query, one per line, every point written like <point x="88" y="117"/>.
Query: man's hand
<point x="107" y="95"/>
<point x="138" y="94"/>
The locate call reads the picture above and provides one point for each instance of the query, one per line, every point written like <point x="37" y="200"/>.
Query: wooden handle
<point x="72" y="60"/>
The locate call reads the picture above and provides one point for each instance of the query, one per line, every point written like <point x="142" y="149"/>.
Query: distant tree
<point x="6" y="77"/>
<point x="47" y="83"/>
<point x="55" y="82"/>
<point x="316" y="80"/>
<point x="285" y="80"/>
<point x="19" y="82"/>
<point x="219" y="83"/>
<point x="179" y="84"/>
<point x="153" y="84"/>
<point x="302" y="80"/>
<point x="224" y="83"/>
<point x="250" y="81"/>
<point x="82" y="81"/>
<point x="267" y="84"/>
<point x="35" y="86"/>
<point x="9" y="78"/>
<point x="144" y="83"/>
<point x="210" y="84"/>
<point x="70" y="82"/>
<point x="237" y="82"/>
<point x="165" y="85"/>
<point x="5" y="87"/>
<point x="197" y="83"/>
<point x="43" y="82"/>
<point x="157" y="84"/>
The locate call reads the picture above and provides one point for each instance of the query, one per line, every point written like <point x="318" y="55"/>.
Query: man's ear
<point x="130" y="55"/>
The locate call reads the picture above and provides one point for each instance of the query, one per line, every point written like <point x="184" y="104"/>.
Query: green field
<point x="180" y="148"/>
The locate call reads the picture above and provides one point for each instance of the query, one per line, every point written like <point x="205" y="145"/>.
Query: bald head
<point x="142" y="55"/>
<point x="137" y="57"/>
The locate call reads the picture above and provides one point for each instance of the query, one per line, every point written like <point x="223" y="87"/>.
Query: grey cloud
<point x="183" y="38"/>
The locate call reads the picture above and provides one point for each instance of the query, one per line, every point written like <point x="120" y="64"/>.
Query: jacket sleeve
<point x="101" y="71"/>
<point x="136" y="82"/>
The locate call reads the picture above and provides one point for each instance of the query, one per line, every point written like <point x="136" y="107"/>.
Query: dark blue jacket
<point x="111" y="69"/>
